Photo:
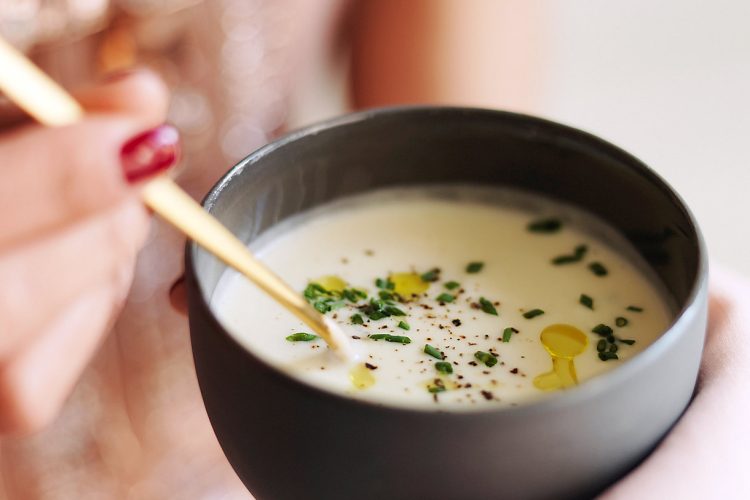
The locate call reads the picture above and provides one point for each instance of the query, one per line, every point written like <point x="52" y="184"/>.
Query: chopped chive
<point x="586" y="301"/>
<point x="613" y="348"/>
<point x="601" y="346"/>
<point x="533" y="313"/>
<point x="508" y="333"/>
<point x="385" y="295"/>
<point x="627" y="341"/>
<point x="578" y="253"/>
<point x="404" y="325"/>
<point x="620" y="321"/>
<point x="602" y="330"/>
<point x="549" y="225"/>
<point x="301" y="337"/>
<point x="357" y="319"/>
<point x="474" y="267"/>
<point x="385" y="284"/>
<point x="391" y="338"/>
<point x="445" y="297"/>
<point x="487" y="306"/>
<point x="322" y="307"/>
<point x="606" y="356"/>
<point x="452" y="285"/>
<point x="611" y="339"/>
<point x="488" y="359"/>
<point x="314" y="290"/>
<point x="565" y="259"/>
<point x="431" y="275"/>
<point x="394" y="311"/>
<point x="434" y="389"/>
<point x="432" y="351"/>
<point x="598" y="269"/>
<point x="635" y="309"/>
<point x="444" y="367"/>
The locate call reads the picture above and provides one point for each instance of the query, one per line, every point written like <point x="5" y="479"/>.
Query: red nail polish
<point x="150" y="153"/>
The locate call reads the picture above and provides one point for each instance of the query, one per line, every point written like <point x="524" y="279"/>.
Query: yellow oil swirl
<point x="331" y="283"/>
<point x="408" y="285"/>
<point x="563" y="343"/>
<point x="361" y="377"/>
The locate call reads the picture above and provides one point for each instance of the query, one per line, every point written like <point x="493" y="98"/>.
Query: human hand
<point x="707" y="452"/>
<point x="70" y="227"/>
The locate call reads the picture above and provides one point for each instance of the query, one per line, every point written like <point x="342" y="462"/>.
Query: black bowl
<point x="288" y="440"/>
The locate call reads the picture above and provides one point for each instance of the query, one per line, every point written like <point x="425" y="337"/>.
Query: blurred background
<point x="667" y="81"/>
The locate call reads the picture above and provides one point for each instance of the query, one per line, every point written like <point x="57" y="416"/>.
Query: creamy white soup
<point x="454" y="298"/>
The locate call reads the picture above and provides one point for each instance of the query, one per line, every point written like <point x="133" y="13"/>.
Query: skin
<point x="67" y="264"/>
<point x="72" y="251"/>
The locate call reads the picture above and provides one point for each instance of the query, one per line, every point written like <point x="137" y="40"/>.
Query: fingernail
<point x="150" y="153"/>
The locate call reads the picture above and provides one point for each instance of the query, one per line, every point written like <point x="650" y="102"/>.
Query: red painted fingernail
<point x="150" y="153"/>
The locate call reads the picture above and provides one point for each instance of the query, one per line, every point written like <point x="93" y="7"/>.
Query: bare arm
<point x="471" y="52"/>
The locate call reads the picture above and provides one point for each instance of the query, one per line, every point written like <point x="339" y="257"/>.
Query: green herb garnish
<point x="356" y="319"/>
<point x="578" y="253"/>
<point x="606" y="356"/>
<point x="598" y="269"/>
<point x="432" y="351"/>
<point x="627" y="341"/>
<point x="508" y="333"/>
<point x="329" y="300"/>
<point x="586" y="301"/>
<point x="322" y="307"/>
<point x="434" y="389"/>
<point x="487" y="306"/>
<point x="444" y="367"/>
<point x="602" y="330"/>
<point x="474" y="267"/>
<point x="301" y="337"/>
<point x="533" y="313"/>
<point x="620" y="321"/>
<point x="488" y="359"/>
<point x="394" y="311"/>
<point x="548" y="225"/>
<point x="378" y="309"/>
<point x="635" y="309"/>
<point x="445" y="297"/>
<point x="452" y="285"/>
<point x="431" y="275"/>
<point x="613" y="348"/>
<point x="386" y="295"/>
<point x="400" y="339"/>
<point x="385" y="284"/>
<point x="404" y="325"/>
<point x="601" y="346"/>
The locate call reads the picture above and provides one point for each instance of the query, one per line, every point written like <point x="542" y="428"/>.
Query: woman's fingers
<point x="36" y="381"/>
<point x="40" y="279"/>
<point x="53" y="176"/>
<point x="138" y="92"/>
